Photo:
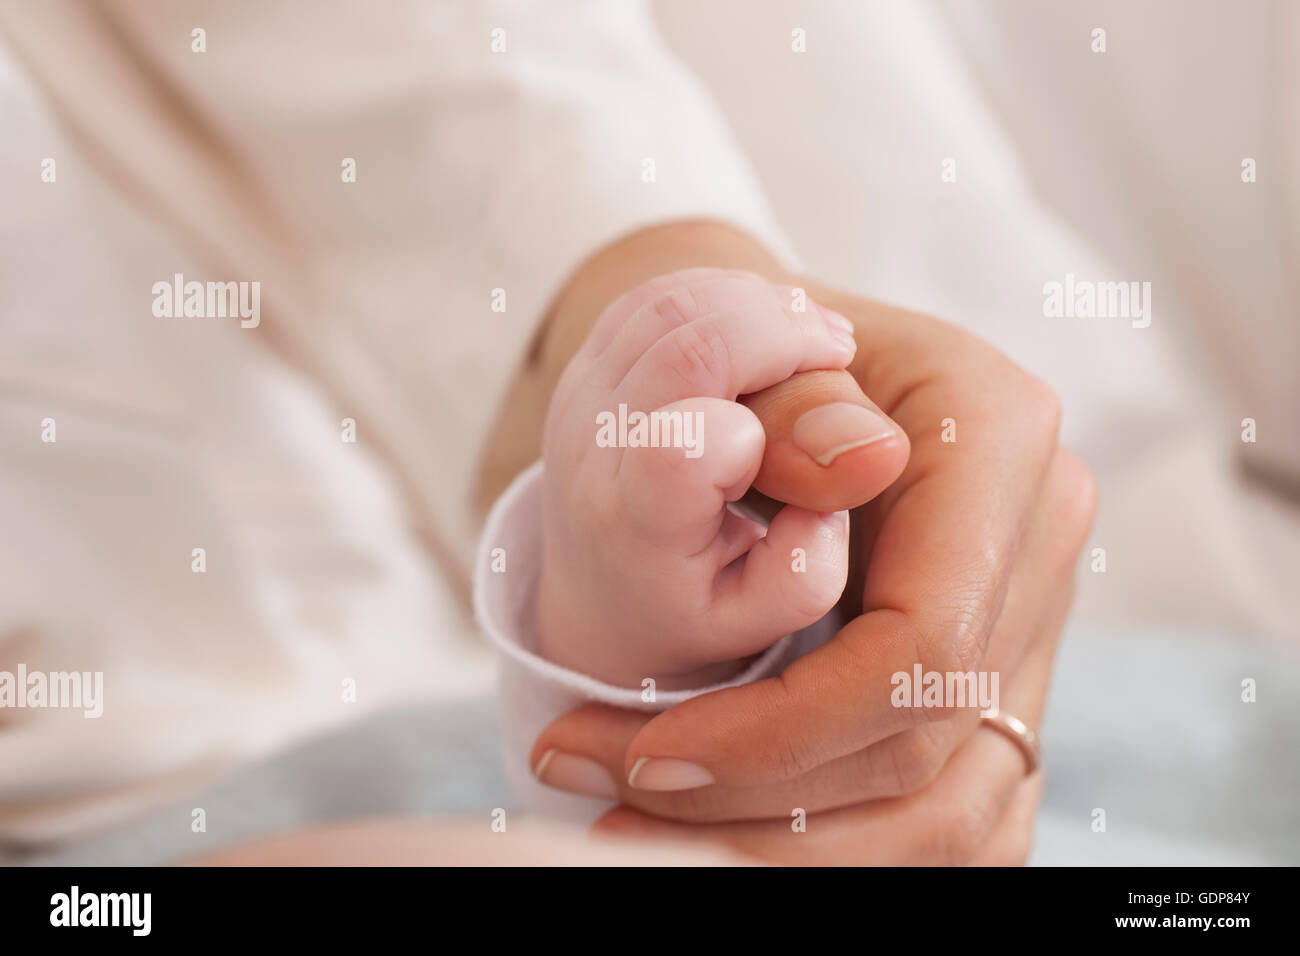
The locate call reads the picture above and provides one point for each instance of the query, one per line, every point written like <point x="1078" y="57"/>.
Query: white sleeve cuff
<point x="508" y="564"/>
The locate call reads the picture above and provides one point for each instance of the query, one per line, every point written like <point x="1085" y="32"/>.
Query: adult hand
<point x="969" y="563"/>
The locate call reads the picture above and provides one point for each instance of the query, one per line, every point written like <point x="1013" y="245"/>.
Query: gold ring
<point x="1015" y="730"/>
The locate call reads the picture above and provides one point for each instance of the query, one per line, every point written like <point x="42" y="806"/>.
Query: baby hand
<point x="646" y="572"/>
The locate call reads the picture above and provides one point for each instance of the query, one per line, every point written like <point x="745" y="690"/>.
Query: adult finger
<point x="945" y="824"/>
<point x="949" y="822"/>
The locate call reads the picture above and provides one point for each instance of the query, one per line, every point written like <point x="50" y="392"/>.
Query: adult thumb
<point x="829" y="447"/>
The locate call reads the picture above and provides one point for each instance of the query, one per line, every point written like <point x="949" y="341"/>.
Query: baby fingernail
<point x="575" y="774"/>
<point x="837" y="521"/>
<point x="667" y="773"/>
<point x="828" y="431"/>
<point x="841" y="328"/>
<point x="837" y="321"/>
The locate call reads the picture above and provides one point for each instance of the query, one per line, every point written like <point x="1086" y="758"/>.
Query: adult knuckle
<point x="967" y="643"/>
<point x="1040" y="407"/>
<point x="950" y="640"/>
<point x="958" y="643"/>
<point x="1076" y="488"/>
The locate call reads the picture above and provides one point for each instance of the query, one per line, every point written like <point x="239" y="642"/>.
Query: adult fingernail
<point x="828" y="431"/>
<point x="575" y="774"/>
<point x="667" y="773"/>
